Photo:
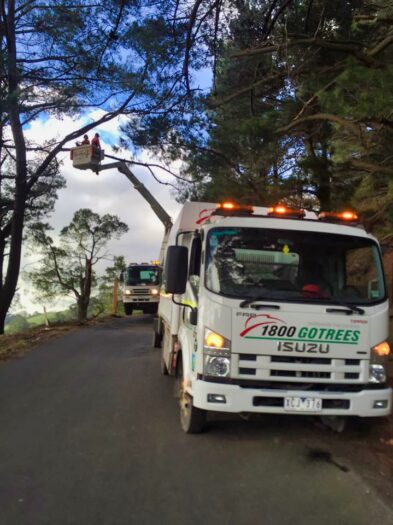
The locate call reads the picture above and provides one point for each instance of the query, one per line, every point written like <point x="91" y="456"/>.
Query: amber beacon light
<point x="279" y="210"/>
<point x="232" y="208"/>
<point x="344" y="216"/>
<point x="228" y="206"/>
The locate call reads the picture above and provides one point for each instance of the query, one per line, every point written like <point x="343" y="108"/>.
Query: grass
<point x="17" y="345"/>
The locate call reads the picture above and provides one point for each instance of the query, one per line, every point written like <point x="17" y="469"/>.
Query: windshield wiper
<point x="250" y="300"/>
<point x="350" y="308"/>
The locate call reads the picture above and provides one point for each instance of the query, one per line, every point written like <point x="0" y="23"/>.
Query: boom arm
<point x="141" y="188"/>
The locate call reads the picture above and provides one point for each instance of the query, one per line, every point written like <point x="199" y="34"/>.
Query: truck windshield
<point x="147" y="275"/>
<point x="289" y="265"/>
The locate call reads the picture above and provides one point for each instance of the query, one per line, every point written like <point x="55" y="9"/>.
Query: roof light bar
<point x="279" y="210"/>
<point x="344" y="216"/>
<point x="232" y="208"/>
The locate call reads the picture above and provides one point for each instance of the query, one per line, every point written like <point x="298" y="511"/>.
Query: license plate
<point x="303" y="404"/>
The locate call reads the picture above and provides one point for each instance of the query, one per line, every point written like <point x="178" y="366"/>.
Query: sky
<point x="109" y="192"/>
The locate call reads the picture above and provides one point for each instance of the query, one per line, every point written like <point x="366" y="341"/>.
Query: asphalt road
<point x="89" y="434"/>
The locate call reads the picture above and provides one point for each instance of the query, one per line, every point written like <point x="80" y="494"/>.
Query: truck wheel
<point x="157" y="338"/>
<point x="163" y="367"/>
<point x="154" y="308"/>
<point x="128" y="308"/>
<point x="192" y="419"/>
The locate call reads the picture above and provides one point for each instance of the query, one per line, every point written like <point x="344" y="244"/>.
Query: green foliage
<point x="361" y="93"/>
<point x="67" y="59"/>
<point x="102" y="302"/>
<point x="19" y="323"/>
<point x="68" y="268"/>
<point x="300" y="108"/>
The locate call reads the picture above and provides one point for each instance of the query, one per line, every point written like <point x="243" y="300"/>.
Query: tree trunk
<point x="323" y="190"/>
<point x="82" y="309"/>
<point x="14" y="259"/>
<point x="85" y="291"/>
<point x="320" y="174"/>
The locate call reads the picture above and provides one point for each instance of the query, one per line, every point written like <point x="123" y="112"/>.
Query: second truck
<point x="140" y="288"/>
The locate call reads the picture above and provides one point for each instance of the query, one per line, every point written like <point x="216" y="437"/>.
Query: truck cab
<point x="274" y="311"/>
<point x="140" y="287"/>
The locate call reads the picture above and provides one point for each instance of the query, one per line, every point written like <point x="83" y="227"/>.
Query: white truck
<point x="140" y="287"/>
<point x="273" y="311"/>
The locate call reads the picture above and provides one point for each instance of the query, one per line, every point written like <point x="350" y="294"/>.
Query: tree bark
<point x="14" y="260"/>
<point x="82" y="309"/>
<point x="83" y="299"/>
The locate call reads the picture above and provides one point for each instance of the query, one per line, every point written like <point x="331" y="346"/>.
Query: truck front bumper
<point x="148" y="299"/>
<point x="234" y="398"/>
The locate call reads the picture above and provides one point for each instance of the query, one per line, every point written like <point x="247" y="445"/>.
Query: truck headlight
<point x="217" y="366"/>
<point x="127" y="292"/>
<point x="217" y="355"/>
<point x="378" y="358"/>
<point x="377" y="374"/>
<point x="154" y="291"/>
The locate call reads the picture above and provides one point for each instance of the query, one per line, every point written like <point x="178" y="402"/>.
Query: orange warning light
<point x="279" y="210"/>
<point x="344" y="216"/>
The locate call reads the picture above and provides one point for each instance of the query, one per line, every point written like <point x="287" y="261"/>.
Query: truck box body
<point x="297" y="306"/>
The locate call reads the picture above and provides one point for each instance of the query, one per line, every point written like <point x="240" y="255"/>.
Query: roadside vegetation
<point x="297" y="107"/>
<point x="68" y="267"/>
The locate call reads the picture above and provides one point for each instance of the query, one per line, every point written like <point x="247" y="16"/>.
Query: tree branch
<point x="350" y="125"/>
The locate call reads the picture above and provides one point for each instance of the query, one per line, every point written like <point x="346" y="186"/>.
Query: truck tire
<point x="157" y="338"/>
<point x="154" y="308"/>
<point x="128" y="308"/>
<point x="163" y="367"/>
<point x="192" y="419"/>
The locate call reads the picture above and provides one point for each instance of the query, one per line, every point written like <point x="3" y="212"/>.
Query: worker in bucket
<point x="96" y="142"/>
<point x="84" y="142"/>
<point x="96" y="147"/>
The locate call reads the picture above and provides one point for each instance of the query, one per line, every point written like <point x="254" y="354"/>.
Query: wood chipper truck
<point x="140" y="287"/>
<point x="273" y="310"/>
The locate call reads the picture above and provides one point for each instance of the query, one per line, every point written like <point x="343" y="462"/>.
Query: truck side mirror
<point x="176" y="268"/>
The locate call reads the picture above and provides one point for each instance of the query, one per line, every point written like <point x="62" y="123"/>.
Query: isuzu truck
<point x="273" y="310"/>
<point x="140" y="287"/>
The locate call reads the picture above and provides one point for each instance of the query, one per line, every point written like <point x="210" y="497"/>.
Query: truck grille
<point x="299" y="369"/>
<point x="140" y="291"/>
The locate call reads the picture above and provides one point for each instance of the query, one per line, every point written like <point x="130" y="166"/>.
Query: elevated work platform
<point x="86" y="157"/>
